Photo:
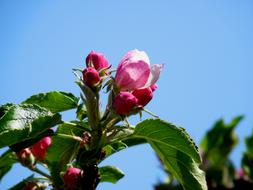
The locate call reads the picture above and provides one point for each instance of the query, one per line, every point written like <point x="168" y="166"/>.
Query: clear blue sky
<point x="207" y="48"/>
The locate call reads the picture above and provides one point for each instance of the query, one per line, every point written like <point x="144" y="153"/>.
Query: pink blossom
<point x="143" y="96"/>
<point x="91" y="76"/>
<point x="96" y="60"/>
<point x="124" y="102"/>
<point x="134" y="71"/>
<point x="39" y="149"/>
<point x="72" y="178"/>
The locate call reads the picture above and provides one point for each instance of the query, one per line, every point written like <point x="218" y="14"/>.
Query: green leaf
<point x="54" y="101"/>
<point x="22" y="122"/>
<point x="7" y="159"/>
<point x="220" y="141"/>
<point x="247" y="160"/>
<point x="62" y="150"/>
<point x="22" y="184"/>
<point x="110" y="174"/>
<point x="176" y="150"/>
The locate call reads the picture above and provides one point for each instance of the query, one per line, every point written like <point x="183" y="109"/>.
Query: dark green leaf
<point x="110" y="174"/>
<point x="219" y="141"/>
<point x="247" y="164"/>
<point x="27" y="143"/>
<point x="247" y="160"/>
<point x="176" y="150"/>
<point x="7" y="159"/>
<point x="54" y="101"/>
<point x="22" y="122"/>
<point x="21" y="185"/>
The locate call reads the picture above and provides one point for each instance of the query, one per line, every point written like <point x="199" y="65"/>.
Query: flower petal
<point x="132" y="76"/>
<point x="154" y="74"/>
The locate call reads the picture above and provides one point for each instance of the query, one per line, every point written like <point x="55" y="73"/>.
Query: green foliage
<point x="7" y="160"/>
<point x="22" y="122"/>
<point x="176" y="150"/>
<point x="22" y="184"/>
<point x="54" y="101"/>
<point x="63" y="149"/>
<point x="219" y="141"/>
<point x="247" y="160"/>
<point x="110" y="174"/>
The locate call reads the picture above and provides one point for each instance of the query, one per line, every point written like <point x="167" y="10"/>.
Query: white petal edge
<point x="154" y="74"/>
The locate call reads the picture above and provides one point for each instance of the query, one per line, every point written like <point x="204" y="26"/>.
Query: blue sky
<point x="206" y="46"/>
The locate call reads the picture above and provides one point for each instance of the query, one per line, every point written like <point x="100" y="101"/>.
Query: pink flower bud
<point x="97" y="60"/>
<point x="72" y="178"/>
<point x="153" y="87"/>
<point x="25" y="157"/>
<point x="39" y="149"/>
<point x="91" y="76"/>
<point x="124" y="102"/>
<point x="134" y="71"/>
<point x="143" y="96"/>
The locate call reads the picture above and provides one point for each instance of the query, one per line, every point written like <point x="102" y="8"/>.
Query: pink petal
<point x="154" y="74"/>
<point x="134" y="56"/>
<point x="132" y="75"/>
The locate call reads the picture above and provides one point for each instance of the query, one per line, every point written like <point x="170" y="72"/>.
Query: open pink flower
<point x="134" y="71"/>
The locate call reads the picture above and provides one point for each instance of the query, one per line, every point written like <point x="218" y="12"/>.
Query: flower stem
<point x="79" y="139"/>
<point x="37" y="170"/>
<point x="150" y="113"/>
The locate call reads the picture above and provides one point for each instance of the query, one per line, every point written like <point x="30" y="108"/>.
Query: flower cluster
<point x="133" y="84"/>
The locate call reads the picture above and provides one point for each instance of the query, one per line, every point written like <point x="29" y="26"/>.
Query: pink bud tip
<point x="143" y="96"/>
<point x="39" y="149"/>
<point x="124" y="102"/>
<point x="91" y="76"/>
<point x="97" y="60"/>
<point x="72" y="178"/>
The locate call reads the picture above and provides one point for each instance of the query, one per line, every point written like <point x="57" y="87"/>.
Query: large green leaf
<point x="54" y="101"/>
<point x="7" y="159"/>
<point x="176" y="150"/>
<point x="62" y="150"/>
<point x="22" y="122"/>
<point x="110" y="174"/>
<point x="220" y="141"/>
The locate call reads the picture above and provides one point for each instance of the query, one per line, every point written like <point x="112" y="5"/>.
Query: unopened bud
<point x="124" y="102"/>
<point x="26" y="157"/>
<point x="39" y="149"/>
<point x="91" y="76"/>
<point x="143" y="96"/>
<point x="96" y="60"/>
<point x="72" y="178"/>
